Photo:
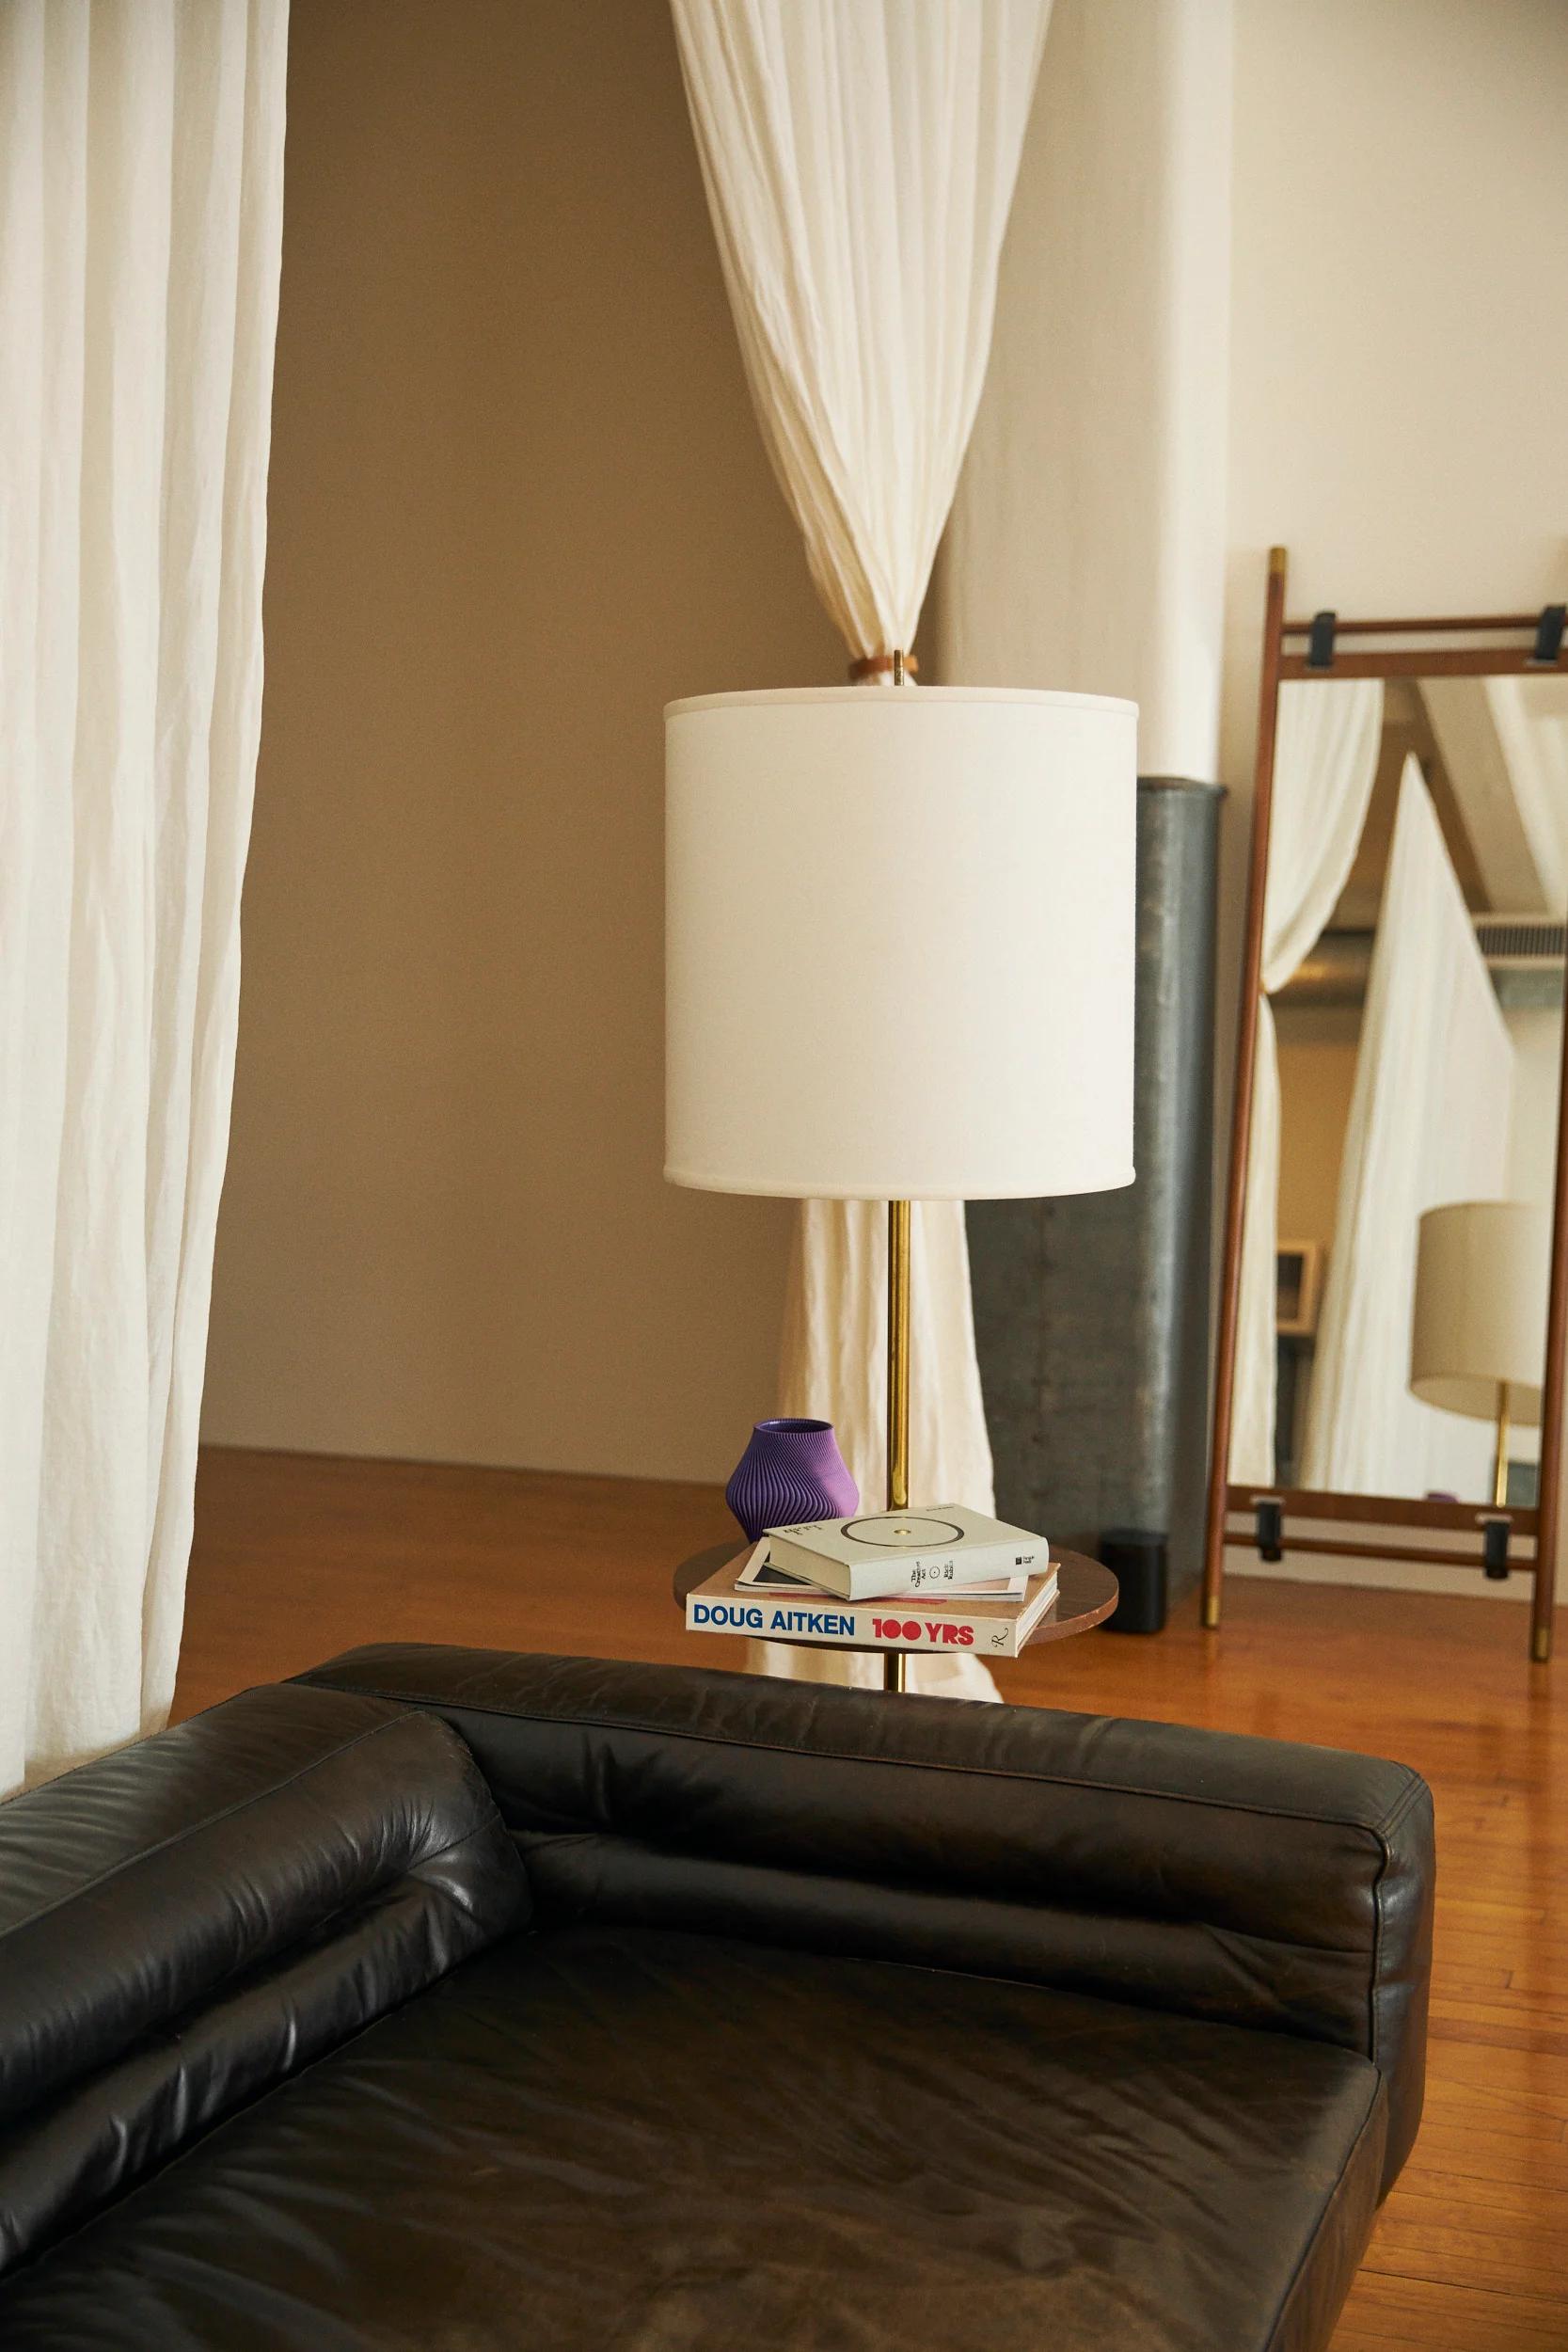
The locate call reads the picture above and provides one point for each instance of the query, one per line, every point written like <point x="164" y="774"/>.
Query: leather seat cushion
<point x="648" y="2139"/>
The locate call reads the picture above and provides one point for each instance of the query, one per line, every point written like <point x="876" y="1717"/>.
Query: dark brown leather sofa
<point x="458" y="2000"/>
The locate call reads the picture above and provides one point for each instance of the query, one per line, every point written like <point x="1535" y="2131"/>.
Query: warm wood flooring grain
<point x="296" y="1557"/>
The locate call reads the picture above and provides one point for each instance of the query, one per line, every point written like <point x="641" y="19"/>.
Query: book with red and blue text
<point x="989" y="1626"/>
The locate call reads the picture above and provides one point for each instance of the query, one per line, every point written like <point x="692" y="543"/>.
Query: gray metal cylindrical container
<point x="1092" y="1313"/>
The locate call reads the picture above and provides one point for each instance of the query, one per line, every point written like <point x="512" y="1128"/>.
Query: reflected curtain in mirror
<point x="1325" y="760"/>
<point x="1429" y="1122"/>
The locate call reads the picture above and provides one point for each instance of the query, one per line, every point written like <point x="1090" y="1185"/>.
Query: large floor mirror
<point x="1394" y="1299"/>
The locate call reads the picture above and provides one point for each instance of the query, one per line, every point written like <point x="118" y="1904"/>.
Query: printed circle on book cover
<point x="903" y="1533"/>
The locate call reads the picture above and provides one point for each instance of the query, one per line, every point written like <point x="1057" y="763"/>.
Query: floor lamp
<point x="900" y="955"/>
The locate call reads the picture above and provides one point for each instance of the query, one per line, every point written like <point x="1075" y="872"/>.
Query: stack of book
<point x="946" y="1578"/>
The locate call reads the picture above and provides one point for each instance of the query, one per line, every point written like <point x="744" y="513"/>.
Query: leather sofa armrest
<point x="187" y="1922"/>
<point x="1262" y="1882"/>
<point x="137" y="1889"/>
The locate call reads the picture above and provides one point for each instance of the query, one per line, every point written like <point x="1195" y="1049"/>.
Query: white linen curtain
<point x="1428" y="1121"/>
<point x="1325" y="763"/>
<point x="858" y="157"/>
<point x="141" y="152"/>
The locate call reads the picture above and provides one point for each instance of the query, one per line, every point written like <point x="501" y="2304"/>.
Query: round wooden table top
<point x="1085" y="1595"/>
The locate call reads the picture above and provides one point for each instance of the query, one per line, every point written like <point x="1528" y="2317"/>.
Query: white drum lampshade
<point x="900" y="942"/>
<point x="1479" y="1333"/>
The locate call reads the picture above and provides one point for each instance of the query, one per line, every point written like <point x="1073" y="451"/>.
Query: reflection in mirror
<point x="1407" y="1064"/>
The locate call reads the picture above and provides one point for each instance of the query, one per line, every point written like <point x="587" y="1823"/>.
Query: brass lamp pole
<point x="1499" y="1474"/>
<point x="897" y="1352"/>
<point x="897" y="1355"/>
<point x="898" y="1388"/>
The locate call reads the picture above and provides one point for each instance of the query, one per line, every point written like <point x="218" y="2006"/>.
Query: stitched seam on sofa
<point x="1206" y="2021"/>
<point x="525" y="1842"/>
<point x="1378" y="1920"/>
<point x="209" y="1820"/>
<point x="1129" y="2004"/>
<point x="1374" y="2022"/>
<point x="1392" y="1819"/>
<point x="857" y="1756"/>
<point x="1029" y="1907"/>
<point x="1138" y="2002"/>
<point x="1376" y="1979"/>
<point x="1283" y="2308"/>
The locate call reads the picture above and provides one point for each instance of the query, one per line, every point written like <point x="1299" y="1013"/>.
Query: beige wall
<point x="1399" y="332"/>
<point x="518" y="501"/>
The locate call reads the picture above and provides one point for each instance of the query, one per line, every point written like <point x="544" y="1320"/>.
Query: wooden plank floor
<point x="296" y="1557"/>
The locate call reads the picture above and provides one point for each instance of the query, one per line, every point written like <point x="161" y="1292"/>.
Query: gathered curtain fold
<point x="1429" y="1122"/>
<point x="1325" y="763"/>
<point x="858" y="158"/>
<point x="141" y="153"/>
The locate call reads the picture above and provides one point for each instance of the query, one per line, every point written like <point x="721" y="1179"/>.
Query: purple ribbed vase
<point x="791" y="1471"/>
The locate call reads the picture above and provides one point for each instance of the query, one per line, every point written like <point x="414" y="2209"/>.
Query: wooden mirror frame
<point x="1524" y="642"/>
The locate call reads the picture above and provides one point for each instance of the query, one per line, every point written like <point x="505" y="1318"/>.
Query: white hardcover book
<point x="762" y="1573"/>
<point x="875" y="1554"/>
<point x="989" y="1629"/>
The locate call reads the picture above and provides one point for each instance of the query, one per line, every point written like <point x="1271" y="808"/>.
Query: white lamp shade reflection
<point x="1479" y="1327"/>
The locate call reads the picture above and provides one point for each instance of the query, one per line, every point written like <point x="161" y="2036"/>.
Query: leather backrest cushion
<point x="1271" y="1884"/>
<point x="188" y="1920"/>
